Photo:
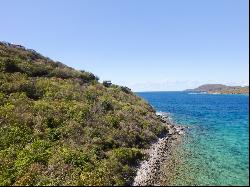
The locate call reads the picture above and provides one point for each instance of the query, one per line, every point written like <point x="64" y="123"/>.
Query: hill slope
<point x="59" y="126"/>
<point x="220" y="88"/>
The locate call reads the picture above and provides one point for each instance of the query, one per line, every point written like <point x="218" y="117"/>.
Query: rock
<point x="181" y="132"/>
<point x="149" y="170"/>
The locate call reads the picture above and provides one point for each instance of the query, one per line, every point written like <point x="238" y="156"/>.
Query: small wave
<point x="197" y="93"/>
<point x="166" y="115"/>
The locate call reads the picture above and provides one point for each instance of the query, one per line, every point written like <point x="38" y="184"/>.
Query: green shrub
<point x="37" y="152"/>
<point x="126" y="89"/>
<point x="61" y="73"/>
<point x="107" y="105"/>
<point x="90" y="96"/>
<point x="34" y="70"/>
<point x="31" y="90"/>
<point x="112" y="120"/>
<point x="2" y="98"/>
<point x="54" y="134"/>
<point x="128" y="156"/>
<point x="88" y="77"/>
<point x="10" y="66"/>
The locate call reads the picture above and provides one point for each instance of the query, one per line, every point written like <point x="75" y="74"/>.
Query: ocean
<point x="215" y="148"/>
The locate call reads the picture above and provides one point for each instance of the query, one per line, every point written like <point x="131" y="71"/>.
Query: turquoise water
<point x="215" y="150"/>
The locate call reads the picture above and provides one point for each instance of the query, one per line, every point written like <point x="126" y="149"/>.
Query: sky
<point x="147" y="45"/>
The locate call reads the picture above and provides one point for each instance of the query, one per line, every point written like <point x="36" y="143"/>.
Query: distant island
<point x="220" y="89"/>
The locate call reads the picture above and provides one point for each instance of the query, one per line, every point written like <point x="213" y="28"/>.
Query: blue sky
<point x="144" y="44"/>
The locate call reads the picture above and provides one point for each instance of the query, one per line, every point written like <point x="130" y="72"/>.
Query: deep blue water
<point x="215" y="150"/>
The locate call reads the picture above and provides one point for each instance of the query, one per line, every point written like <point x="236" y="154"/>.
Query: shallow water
<point x="215" y="148"/>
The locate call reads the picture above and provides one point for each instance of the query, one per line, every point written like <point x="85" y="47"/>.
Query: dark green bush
<point x="107" y="105"/>
<point x="34" y="70"/>
<point x="88" y="77"/>
<point x="112" y="120"/>
<point x="127" y="155"/>
<point x="126" y="89"/>
<point x="31" y="90"/>
<point x="54" y="134"/>
<point x="10" y="66"/>
<point x="61" y="73"/>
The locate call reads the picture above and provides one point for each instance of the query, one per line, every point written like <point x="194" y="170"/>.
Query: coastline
<point x="216" y="93"/>
<point x="149" y="171"/>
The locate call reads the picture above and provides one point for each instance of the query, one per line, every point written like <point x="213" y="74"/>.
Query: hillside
<point x="60" y="126"/>
<point x="220" y="88"/>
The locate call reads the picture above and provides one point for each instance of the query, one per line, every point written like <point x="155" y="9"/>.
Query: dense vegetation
<point x="222" y="89"/>
<point x="60" y="126"/>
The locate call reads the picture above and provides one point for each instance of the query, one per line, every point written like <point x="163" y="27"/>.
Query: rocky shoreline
<point x="149" y="171"/>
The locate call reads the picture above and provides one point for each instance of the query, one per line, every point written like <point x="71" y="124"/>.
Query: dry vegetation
<point x="60" y="126"/>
